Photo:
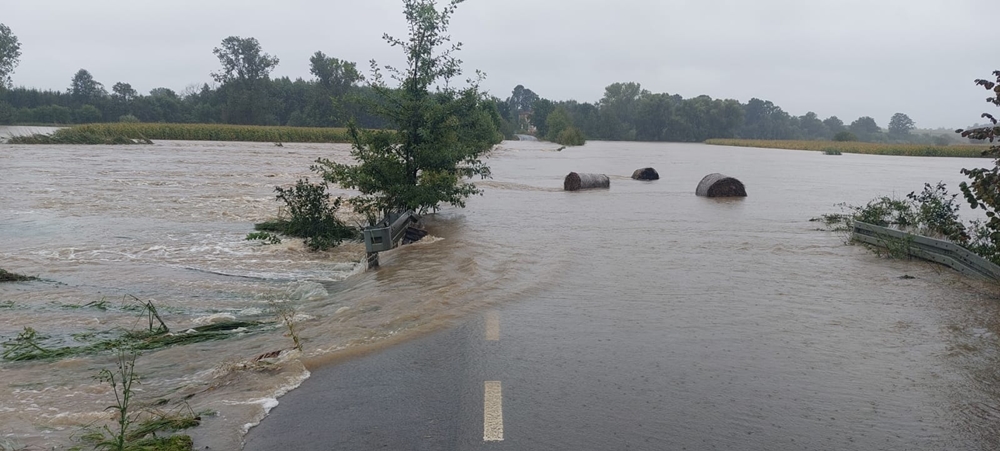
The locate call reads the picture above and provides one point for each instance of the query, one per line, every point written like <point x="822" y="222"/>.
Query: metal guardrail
<point x="939" y="251"/>
<point x="387" y="234"/>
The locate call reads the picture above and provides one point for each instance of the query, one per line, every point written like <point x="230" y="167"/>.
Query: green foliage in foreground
<point x="910" y="150"/>
<point x="310" y="215"/>
<point x="217" y="132"/>
<point x="128" y="434"/>
<point x="6" y="276"/>
<point x="442" y="133"/>
<point x="932" y="212"/>
<point x="984" y="189"/>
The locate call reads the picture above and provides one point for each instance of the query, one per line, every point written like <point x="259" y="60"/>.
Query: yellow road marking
<point x="492" y="413"/>
<point x="493" y="325"/>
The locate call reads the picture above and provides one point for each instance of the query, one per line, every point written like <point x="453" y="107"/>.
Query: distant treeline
<point x="628" y="112"/>
<point x="244" y="94"/>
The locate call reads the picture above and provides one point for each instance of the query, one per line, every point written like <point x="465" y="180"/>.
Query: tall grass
<point x="76" y="136"/>
<point x="217" y="132"/>
<point x="910" y="150"/>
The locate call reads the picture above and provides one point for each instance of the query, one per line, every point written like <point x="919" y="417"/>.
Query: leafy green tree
<point x="84" y="89"/>
<point x="87" y="114"/>
<point x="334" y="75"/>
<point x="440" y="134"/>
<point x="540" y="111"/>
<point x="765" y="120"/>
<point x="619" y="107"/>
<point x="520" y="102"/>
<point x="10" y="54"/>
<point x="812" y="127"/>
<point x="7" y="113"/>
<point x="328" y="104"/>
<point x="557" y="121"/>
<point x="123" y="92"/>
<point x="834" y="125"/>
<point x="983" y="190"/>
<point x="900" y="126"/>
<point x="245" y="70"/>
<point x="865" y="128"/>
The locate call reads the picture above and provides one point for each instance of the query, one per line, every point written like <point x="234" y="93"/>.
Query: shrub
<point x="571" y="136"/>
<point x="128" y="119"/>
<point x="311" y="215"/>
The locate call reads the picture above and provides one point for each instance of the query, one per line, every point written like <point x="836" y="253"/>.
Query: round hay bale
<point x="645" y="174"/>
<point x="575" y="181"/>
<point x="718" y="185"/>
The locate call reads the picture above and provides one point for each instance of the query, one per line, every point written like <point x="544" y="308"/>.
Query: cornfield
<point x="216" y="132"/>
<point x="910" y="150"/>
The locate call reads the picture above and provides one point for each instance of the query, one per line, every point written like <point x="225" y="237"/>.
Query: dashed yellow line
<point x="492" y="412"/>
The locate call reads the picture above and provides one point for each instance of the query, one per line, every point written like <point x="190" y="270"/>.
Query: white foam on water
<point x="269" y="403"/>
<point x="213" y="318"/>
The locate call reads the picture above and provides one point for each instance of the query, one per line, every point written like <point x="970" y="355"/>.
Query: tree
<point x="984" y="189"/>
<point x="10" y="54"/>
<point x="865" y="128"/>
<point x="834" y="125"/>
<point x="519" y="103"/>
<point x="540" y="110"/>
<point x="619" y="107"/>
<point x="84" y="89"/>
<point x="900" y="126"/>
<point x="440" y="136"/>
<point x="334" y="75"/>
<point x="812" y="127"/>
<point x="123" y="92"/>
<point x="327" y="106"/>
<point x="242" y="61"/>
<point x="245" y="68"/>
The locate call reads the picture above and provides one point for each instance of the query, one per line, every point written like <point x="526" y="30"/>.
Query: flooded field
<point x="166" y="223"/>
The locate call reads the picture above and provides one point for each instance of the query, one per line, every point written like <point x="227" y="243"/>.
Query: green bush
<point x="128" y="119"/>
<point x="571" y="136"/>
<point x="311" y="215"/>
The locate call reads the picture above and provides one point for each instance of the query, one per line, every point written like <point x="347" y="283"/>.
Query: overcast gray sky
<point x="847" y="58"/>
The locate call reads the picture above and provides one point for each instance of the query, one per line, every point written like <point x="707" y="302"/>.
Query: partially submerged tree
<point x="10" y="54"/>
<point x="440" y="133"/>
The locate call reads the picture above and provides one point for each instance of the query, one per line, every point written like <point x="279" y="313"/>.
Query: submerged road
<point x="558" y="377"/>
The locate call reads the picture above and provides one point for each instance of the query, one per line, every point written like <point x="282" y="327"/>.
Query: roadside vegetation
<point x="31" y="344"/>
<point x="437" y="134"/>
<point x="138" y="424"/>
<point x="934" y="212"/>
<point x="829" y="147"/>
<point x="310" y="214"/>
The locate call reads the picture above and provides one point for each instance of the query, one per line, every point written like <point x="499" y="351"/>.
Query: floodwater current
<point x="819" y="327"/>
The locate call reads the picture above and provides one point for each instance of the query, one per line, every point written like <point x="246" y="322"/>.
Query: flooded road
<point x="739" y="310"/>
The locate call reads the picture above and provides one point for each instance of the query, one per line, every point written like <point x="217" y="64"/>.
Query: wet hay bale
<point x="575" y="181"/>
<point x="645" y="174"/>
<point x="718" y="185"/>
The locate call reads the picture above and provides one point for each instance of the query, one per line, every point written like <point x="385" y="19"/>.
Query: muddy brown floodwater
<point x="800" y="310"/>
